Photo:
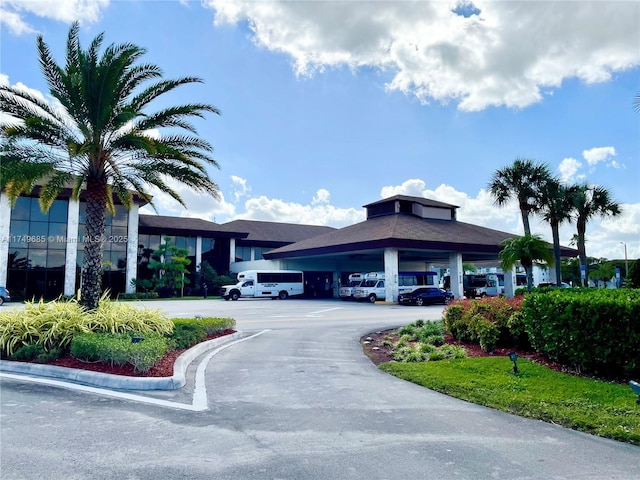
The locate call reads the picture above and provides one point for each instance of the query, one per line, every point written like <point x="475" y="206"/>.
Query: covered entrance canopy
<point x="401" y="233"/>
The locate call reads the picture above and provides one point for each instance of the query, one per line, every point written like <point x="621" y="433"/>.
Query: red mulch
<point x="164" y="368"/>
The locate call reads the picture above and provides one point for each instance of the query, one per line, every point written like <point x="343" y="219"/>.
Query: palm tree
<point x="590" y="201"/>
<point x="604" y="271"/>
<point x="99" y="138"/>
<point x="556" y="203"/>
<point x="525" y="250"/>
<point x="521" y="180"/>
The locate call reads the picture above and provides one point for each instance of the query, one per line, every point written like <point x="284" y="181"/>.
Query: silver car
<point x="4" y="295"/>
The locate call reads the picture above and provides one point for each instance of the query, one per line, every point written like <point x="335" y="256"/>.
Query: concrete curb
<point x="120" y="382"/>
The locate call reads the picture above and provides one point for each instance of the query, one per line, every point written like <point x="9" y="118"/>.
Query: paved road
<point x="299" y="401"/>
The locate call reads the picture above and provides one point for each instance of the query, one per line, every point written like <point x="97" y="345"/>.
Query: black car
<point x="4" y="295"/>
<point x="425" y="296"/>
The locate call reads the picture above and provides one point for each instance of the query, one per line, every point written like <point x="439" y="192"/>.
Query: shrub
<point x="485" y="320"/>
<point x="595" y="330"/>
<point x="116" y="317"/>
<point x="186" y="332"/>
<point x="51" y="324"/>
<point x="36" y="353"/>
<point x="118" y="349"/>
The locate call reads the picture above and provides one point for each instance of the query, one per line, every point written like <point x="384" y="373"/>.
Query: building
<point x="41" y="255"/>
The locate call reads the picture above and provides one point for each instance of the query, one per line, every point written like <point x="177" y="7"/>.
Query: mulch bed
<point x="379" y="353"/>
<point x="164" y="368"/>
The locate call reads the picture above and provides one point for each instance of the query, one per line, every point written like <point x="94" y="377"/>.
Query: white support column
<point x="456" y="275"/>
<point x="232" y="253"/>
<point x="71" y="253"/>
<point x="336" y="285"/>
<point x="391" y="274"/>
<point x="5" y="223"/>
<point x="198" y="252"/>
<point x="132" y="248"/>
<point x="510" y="283"/>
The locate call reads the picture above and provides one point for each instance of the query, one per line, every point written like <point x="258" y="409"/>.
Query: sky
<point x="328" y="106"/>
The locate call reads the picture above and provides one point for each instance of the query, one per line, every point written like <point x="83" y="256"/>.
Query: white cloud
<point x="435" y="54"/>
<point x="322" y="196"/>
<point x="318" y="213"/>
<point x="568" y="168"/>
<point x="14" y="22"/>
<point x="198" y="205"/>
<point x="240" y="188"/>
<point x="14" y="11"/>
<point x="596" y="155"/>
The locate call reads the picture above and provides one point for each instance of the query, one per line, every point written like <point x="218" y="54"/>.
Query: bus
<point x="373" y="288"/>
<point x="347" y="291"/>
<point x="265" y="284"/>
<point x="409" y="281"/>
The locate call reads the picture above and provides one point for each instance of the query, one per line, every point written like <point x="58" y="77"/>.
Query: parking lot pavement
<point x="299" y="401"/>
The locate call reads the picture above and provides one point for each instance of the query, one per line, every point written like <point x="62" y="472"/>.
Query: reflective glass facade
<point x="37" y="249"/>
<point x="114" y="249"/>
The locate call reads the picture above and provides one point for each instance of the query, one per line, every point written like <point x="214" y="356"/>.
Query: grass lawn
<point x="592" y="406"/>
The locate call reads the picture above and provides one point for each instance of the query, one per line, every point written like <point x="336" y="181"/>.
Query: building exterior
<point x="41" y="255"/>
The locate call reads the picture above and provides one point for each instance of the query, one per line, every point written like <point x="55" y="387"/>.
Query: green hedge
<point x="119" y="349"/>
<point x="189" y="331"/>
<point x="595" y="330"/>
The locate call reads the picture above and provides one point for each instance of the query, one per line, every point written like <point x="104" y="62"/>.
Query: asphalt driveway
<point x="299" y="401"/>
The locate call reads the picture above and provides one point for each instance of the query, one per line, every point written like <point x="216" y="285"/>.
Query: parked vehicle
<point x="347" y="291"/>
<point x="553" y="285"/>
<point x="426" y="296"/>
<point x="409" y="281"/>
<point x="265" y="284"/>
<point x="4" y="295"/>
<point x="372" y="289"/>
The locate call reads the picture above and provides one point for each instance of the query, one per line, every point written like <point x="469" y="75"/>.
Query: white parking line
<point x="199" y="402"/>
<point x="324" y="311"/>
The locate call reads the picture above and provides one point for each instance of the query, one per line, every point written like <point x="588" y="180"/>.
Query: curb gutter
<point x="121" y="382"/>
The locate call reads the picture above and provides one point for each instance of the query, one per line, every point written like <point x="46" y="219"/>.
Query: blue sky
<point x="328" y="106"/>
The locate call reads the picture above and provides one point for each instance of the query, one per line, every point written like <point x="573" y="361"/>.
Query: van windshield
<point x="370" y="283"/>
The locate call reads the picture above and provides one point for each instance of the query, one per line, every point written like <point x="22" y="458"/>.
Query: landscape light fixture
<point x="635" y="386"/>
<point x="513" y="357"/>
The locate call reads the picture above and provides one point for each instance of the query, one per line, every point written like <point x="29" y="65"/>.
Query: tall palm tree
<point x="100" y="138"/>
<point x="525" y="250"/>
<point x="556" y="204"/>
<point x="521" y="180"/>
<point x="590" y="201"/>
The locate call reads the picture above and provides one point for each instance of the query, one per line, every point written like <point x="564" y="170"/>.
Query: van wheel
<point x="283" y="295"/>
<point x="372" y="298"/>
<point x="1" y="301"/>
<point x="235" y="296"/>
<point x="447" y="300"/>
<point x="419" y="301"/>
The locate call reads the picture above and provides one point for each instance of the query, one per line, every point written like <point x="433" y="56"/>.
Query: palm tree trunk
<point x="95" y="228"/>
<point x="525" y="219"/>
<point x="582" y="251"/>
<point x="555" y="233"/>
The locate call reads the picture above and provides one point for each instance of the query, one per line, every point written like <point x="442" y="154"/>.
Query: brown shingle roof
<point x="161" y="224"/>
<point x="401" y="231"/>
<point x="427" y="202"/>
<point x="274" y="232"/>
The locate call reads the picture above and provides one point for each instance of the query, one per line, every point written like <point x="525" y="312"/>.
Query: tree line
<point x="539" y="192"/>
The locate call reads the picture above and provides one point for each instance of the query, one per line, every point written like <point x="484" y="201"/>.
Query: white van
<point x="372" y="288"/>
<point x="265" y="284"/>
<point x="347" y="291"/>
